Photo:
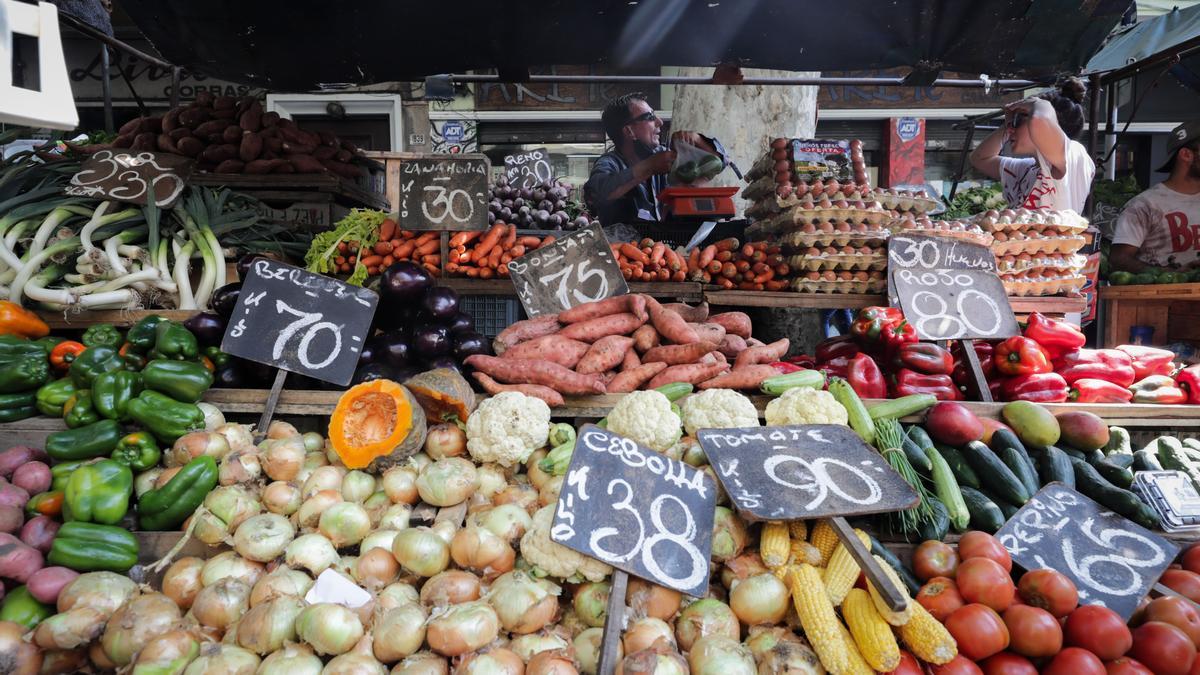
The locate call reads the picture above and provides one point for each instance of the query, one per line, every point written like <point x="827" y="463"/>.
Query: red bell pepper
<point x="864" y="377"/>
<point x="896" y="335"/>
<point x="907" y="382"/>
<point x="1056" y="337"/>
<point x="1188" y="380"/>
<point x="838" y="367"/>
<point x="1090" y="390"/>
<point x="1149" y="361"/>
<point x="983" y="351"/>
<point x="1021" y="356"/>
<point x="1110" y="365"/>
<point x="805" y="361"/>
<point x="869" y="323"/>
<point x="924" y="357"/>
<point x="784" y="367"/>
<point x="832" y="348"/>
<point x="1036" y="387"/>
<point x="1158" y="389"/>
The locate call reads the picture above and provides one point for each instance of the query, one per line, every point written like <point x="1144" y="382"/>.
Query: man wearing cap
<point x="1160" y="228"/>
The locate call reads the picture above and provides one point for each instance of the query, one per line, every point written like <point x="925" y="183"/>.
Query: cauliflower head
<point x="718" y="409"/>
<point x="507" y="428"/>
<point x="554" y="559"/>
<point x="646" y="417"/>
<point x="801" y="405"/>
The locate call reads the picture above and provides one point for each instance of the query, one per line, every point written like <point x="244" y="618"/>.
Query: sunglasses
<point x="644" y="117"/>
<point x="1017" y="120"/>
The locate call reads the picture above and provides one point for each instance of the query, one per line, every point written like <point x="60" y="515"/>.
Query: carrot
<point x="551" y="397"/>
<point x="705" y="277"/>
<point x="431" y="259"/>
<point x="387" y="229"/>
<point x="734" y="323"/>
<point x="707" y="256"/>
<point x="764" y="277"/>
<point x="372" y="260"/>
<point x="464" y="238"/>
<point x="525" y="371"/>
<point x="511" y="239"/>
<point x="606" y="353"/>
<point x="472" y="272"/>
<point x="528" y="241"/>
<point x="428" y="247"/>
<point x="783" y="270"/>
<point x="713" y="267"/>
<point x="432" y="269"/>
<point x="663" y="274"/>
<point x="632" y="303"/>
<point x="451" y="268"/>
<point x="382" y="247"/>
<point x="517" y="251"/>
<point x="764" y="354"/>
<point x="728" y="270"/>
<point x="426" y="237"/>
<point x="727" y="244"/>
<point x="648" y="276"/>
<point x="634" y="253"/>
<point x="748" y="250"/>
<point x="553" y="348"/>
<point x="669" y="324"/>
<point x="593" y="329"/>
<point x="674" y="355"/>
<point x="352" y="260"/>
<point x="493" y="260"/>
<point x="693" y="260"/>
<point x="673" y="260"/>
<point x="692" y="373"/>
<point x="742" y="266"/>
<point x="679" y="275"/>
<point x="548" y="240"/>
<point x="486" y="272"/>
<point x="407" y="234"/>
<point x="724" y="256"/>
<point x="484" y="247"/>
<point x="626" y="271"/>
<point x="776" y="285"/>
<point x="745" y="377"/>
<point x="630" y="379"/>
<point x="372" y="270"/>
<point x="657" y="252"/>
<point x="505" y="259"/>
<point x="646" y="242"/>
<point x="403" y="250"/>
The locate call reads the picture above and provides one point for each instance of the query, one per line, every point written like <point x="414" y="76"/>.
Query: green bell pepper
<point x="138" y="451"/>
<point x="89" y="547"/>
<point x="219" y="358"/>
<point x="163" y="416"/>
<point x="24" y="373"/>
<point x="173" y="341"/>
<point x="141" y="335"/>
<point x="60" y="474"/>
<point x="49" y="342"/>
<point x="98" y="493"/>
<point x="19" y="606"/>
<point x="112" y="392"/>
<point x="102" y="335"/>
<point x="181" y="380"/>
<point x="92" y="362"/>
<point x="98" y="439"/>
<point x="134" y="361"/>
<point x="167" y="507"/>
<point x="80" y="410"/>
<point x="20" y="406"/>
<point x="52" y="396"/>
<point x="13" y="347"/>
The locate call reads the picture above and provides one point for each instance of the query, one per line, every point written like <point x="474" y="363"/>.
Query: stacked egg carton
<point x="1037" y="250"/>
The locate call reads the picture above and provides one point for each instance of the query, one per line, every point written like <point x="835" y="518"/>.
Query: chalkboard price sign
<point x="803" y="471"/>
<point x="126" y="176"/>
<point x="637" y="510"/>
<point x="1112" y="561"/>
<point x="572" y="271"/>
<point x="528" y="169"/>
<point x="300" y="322"/>
<point x="444" y="192"/>
<point x="948" y="288"/>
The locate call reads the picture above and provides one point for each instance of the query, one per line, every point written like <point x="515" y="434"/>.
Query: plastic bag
<point x="694" y="166"/>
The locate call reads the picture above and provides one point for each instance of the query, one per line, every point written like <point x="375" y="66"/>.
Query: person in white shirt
<point x="1050" y="169"/>
<point x="1161" y="226"/>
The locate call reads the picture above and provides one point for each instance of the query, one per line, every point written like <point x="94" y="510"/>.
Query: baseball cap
<point x="1180" y="136"/>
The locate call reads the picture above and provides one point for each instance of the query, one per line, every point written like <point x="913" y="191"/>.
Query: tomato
<point x="1098" y="630"/>
<point x="979" y="631"/>
<point x="1127" y="666"/>
<point x="1183" y="582"/>
<point x="1074" y="661"/>
<point x="1163" y="648"/>
<point x="940" y="596"/>
<point x="983" y="580"/>
<point x="909" y="665"/>
<point x="959" y="666"/>
<point x="1050" y="590"/>
<point x="934" y="559"/>
<point x="976" y="544"/>
<point x="1191" y="559"/>
<point x="1008" y="663"/>
<point x="1177" y="612"/>
<point x="1033" y="632"/>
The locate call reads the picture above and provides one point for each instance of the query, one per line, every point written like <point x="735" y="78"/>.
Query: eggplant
<point x="372" y="350"/>
<point x="440" y="303"/>
<point x="470" y="343"/>
<point x="209" y="328"/>
<point x="392" y="316"/>
<point x="230" y="377"/>
<point x="430" y="341"/>
<point x="461" y="323"/>
<point x="394" y="349"/>
<point x="404" y="282"/>
<point x="244" y="263"/>
<point x="373" y="371"/>
<point x="256" y="374"/>
<point x="444" y="362"/>
<point x="225" y="298"/>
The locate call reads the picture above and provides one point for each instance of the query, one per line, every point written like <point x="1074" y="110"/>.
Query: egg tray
<point x="1039" y="245"/>
<point x="795" y="217"/>
<point x="939" y="228"/>
<point x="802" y="240"/>
<point x="759" y="190"/>
<point x="904" y="203"/>
<point x="1011" y="264"/>
<point x="839" y="262"/>
<point x="835" y="287"/>
<point x="1045" y="286"/>
<point x="1024" y="220"/>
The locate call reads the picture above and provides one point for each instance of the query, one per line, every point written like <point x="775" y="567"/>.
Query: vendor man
<point x="1161" y="226"/>
<point x="625" y="181"/>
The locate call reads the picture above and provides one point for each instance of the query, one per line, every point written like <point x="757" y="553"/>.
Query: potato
<point x="11" y="519"/>
<point x="17" y="560"/>
<point x="45" y="584"/>
<point x="33" y="477"/>
<point x="14" y="457"/>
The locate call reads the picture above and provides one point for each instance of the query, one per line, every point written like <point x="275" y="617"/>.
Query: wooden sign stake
<point x="893" y="596"/>
<point x="614" y="623"/>
<point x="272" y="401"/>
<point x="978" y="381"/>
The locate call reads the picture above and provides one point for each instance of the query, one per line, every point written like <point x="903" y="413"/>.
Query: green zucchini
<point x="675" y="390"/>
<point x="946" y="487"/>
<point x="916" y="455"/>
<point x="906" y="575"/>
<point x="985" y="514"/>
<point x="963" y="473"/>
<point x="1146" y="460"/>
<point x="1122" y="502"/>
<point x="995" y="476"/>
<point x="903" y="406"/>
<point x="939" y="527"/>
<point x="775" y="386"/>
<point x="1055" y="466"/>
<point x="1118" y="442"/>
<point x="1012" y="452"/>
<point x="860" y="420"/>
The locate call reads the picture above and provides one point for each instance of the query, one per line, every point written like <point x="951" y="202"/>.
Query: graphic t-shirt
<point x="1028" y="183"/>
<point x="1164" y="225"/>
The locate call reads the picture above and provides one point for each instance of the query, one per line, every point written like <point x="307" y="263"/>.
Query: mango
<point x="1083" y="430"/>
<point x="991" y="426"/>
<point x="953" y="424"/>
<point x="1033" y="424"/>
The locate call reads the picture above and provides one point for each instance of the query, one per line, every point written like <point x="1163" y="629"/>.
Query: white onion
<point x="376" y="505"/>
<point x="396" y="517"/>
<point x="763" y="639"/>
<point x="657" y="660"/>
<point x="220" y="604"/>
<point x="213" y="418"/>
<point x="647" y="599"/>
<point x="452" y="587"/>
<point x="703" y="618"/>
<point x="269" y="625"/>
<point x="520" y="494"/>
<point x="445" y="529"/>
<point x="479" y="550"/>
<point x="422" y="663"/>
<point x="312" y="552"/>
<point x="421" y="551"/>
<point x="102" y="591"/>
<point x="226" y="508"/>
<point x="282" y="459"/>
<point x="329" y="628"/>
<point x="324" y="478"/>
<point x="239" y="467"/>
<point x="591" y="602"/>
<point x="168" y="652"/>
<point x="761" y="599"/>
<point x="145" y="481"/>
<point x="196" y="444"/>
<point x="448" y="482"/>
<point x="528" y="646"/>
<point x="357" y="661"/>
<point x="309" y="514"/>
<point x="357" y="486"/>
<point x="292" y="659"/>
<point x="550" y="490"/>
<point x="419" y="461"/>
<point x="230" y="564"/>
<point x="729" y="535"/>
<point x="181" y="582"/>
<point x="376" y="568"/>
<point x="312" y="461"/>
<point x="523" y="603"/>
<point x="507" y="521"/>
<point x="557" y="662"/>
<point x="263" y="537"/>
<point x="223" y="659"/>
<point x="497" y="661"/>
<point x="279" y="429"/>
<point x="282" y="581"/>
<point x="377" y="539"/>
<point x="462" y="628"/>
<point x="492" y="479"/>
<point x="396" y="595"/>
<point x="313" y="442"/>
<point x="282" y="498"/>
<point x="720" y="655"/>
<point x="344" y="524"/>
<point x="445" y="440"/>
<point x="135" y="624"/>
<point x="66" y="630"/>
<point x="240" y="437"/>
<point x="587" y="649"/>
<point x="400" y="484"/>
<point x="643" y="633"/>
<point x="399" y="632"/>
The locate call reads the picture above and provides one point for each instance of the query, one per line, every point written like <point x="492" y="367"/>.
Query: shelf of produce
<point x="286" y="186"/>
<point x="1171" y="310"/>
<point x="117" y="317"/>
<point x="715" y="296"/>
<point x="680" y="291"/>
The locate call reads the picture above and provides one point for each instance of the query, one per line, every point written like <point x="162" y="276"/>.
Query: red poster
<point x="904" y="152"/>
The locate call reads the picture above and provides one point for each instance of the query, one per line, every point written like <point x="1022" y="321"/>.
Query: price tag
<point x="444" y="192"/>
<point x="132" y="177"/>
<point x="572" y="271"/>
<point x="300" y="322"/>
<point x="638" y="511"/>
<point x="1112" y="561"/>
<point x="948" y="289"/>
<point x="528" y="169"/>
<point x="804" y="471"/>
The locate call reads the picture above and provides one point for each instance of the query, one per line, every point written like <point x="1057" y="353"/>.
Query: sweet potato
<point x="46" y="583"/>
<point x="692" y="373"/>
<point x="746" y="377"/>
<point x="670" y="325"/>
<point x="553" y="348"/>
<point x="645" y="338"/>
<point x="674" y="355"/>
<point x="629" y="380"/>
<point x="605" y="354"/>
<point x="17" y="560"/>
<point x="632" y="303"/>
<point x="250" y="147"/>
<point x="18" y="455"/>
<point x="732" y="345"/>
<point x="219" y="153"/>
<point x="607" y="376"/>
<point x="190" y="146"/>
<point x="631" y="360"/>
<point x="697" y="314"/>
<point x="305" y="163"/>
<point x="763" y="354"/>
<point x="524" y="371"/>
<point x="709" y="332"/>
<point x="754" y="342"/>
<point x="230" y="166"/>
<point x="594" y="329"/>
<point x="551" y="397"/>
<point x="546" y="324"/>
<point x="736" y="323"/>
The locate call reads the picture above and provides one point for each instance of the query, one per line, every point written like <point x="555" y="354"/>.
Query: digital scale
<point x="704" y="203"/>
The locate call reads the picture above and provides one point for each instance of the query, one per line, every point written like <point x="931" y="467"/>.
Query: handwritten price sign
<point x="572" y="271"/>
<point x="444" y="192"/>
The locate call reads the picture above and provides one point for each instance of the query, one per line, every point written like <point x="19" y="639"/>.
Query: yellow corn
<point x="774" y="544"/>
<point x="871" y="633"/>
<point x="804" y="552"/>
<point x="842" y="571"/>
<point x="858" y="663"/>
<point x="894" y="618"/>
<point x="927" y="638"/>
<point x="825" y="539"/>
<point x="816" y="614"/>
<point x="799" y="530"/>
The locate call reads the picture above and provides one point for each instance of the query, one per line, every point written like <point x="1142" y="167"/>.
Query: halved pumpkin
<point x="377" y="425"/>
<point x="444" y="394"/>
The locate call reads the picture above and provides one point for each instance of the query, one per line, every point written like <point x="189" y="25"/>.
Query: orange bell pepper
<point x="16" y="320"/>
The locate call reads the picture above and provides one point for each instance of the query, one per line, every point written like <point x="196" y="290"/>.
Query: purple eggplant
<point x="430" y="341"/>
<point x="440" y="303"/>
<point x="444" y="362"/>
<point x="461" y="323"/>
<point x="469" y="344"/>
<point x="225" y="298"/>
<point x="209" y="328"/>
<point x="372" y="350"/>
<point x="404" y="282"/>
<point x="230" y="377"/>
<point x="394" y="349"/>
<point x="373" y="371"/>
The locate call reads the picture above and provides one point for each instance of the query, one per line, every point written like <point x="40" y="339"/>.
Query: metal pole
<point x="788" y="81"/>
<point x="1094" y="122"/>
<point x="106" y="87"/>
<point x="175" y="86"/>
<point x="1110" y="139"/>
<point x="91" y="32"/>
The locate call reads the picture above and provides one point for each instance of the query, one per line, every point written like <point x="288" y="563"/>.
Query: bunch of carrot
<point x="392" y="245"/>
<point x="486" y="254"/>
<point x="649" y="260"/>
<point x="755" y="266"/>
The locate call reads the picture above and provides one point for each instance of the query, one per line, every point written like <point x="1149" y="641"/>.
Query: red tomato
<point x="1127" y="666"/>
<point x="1033" y="632"/>
<point x="1074" y="661"/>
<point x="1177" y="612"/>
<point x="959" y="666"/>
<point x="983" y="580"/>
<point x="1191" y="559"/>
<point x="979" y="631"/>
<point x="1183" y="582"/>
<point x="909" y="665"/>
<point x="1008" y="663"/>
<point x="940" y="596"/>
<point x="1163" y="648"/>
<point x="1098" y="630"/>
<point x="976" y="544"/>
<point x="1050" y="590"/>
<point x="934" y="559"/>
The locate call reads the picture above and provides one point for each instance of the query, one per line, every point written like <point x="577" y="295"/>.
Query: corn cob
<point x="799" y="530"/>
<point x="894" y="618"/>
<point x="927" y="638"/>
<point x="804" y="552"/>
<point x="858" y="663"/>
<point x="774" y="544"/>
<point x="825" y="539"/>
<point x="820" y="622"/>
<point x="871" y="633"/>
<point x="842" y="571"/>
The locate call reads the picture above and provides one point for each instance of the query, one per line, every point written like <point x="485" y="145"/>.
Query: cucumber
<point x="775" y="386"/>
<point x="946" y="487"/>
<point x="994" y="475"/>
<point x="1146" y="460"/>
<point x="1073" y="453"/>
<point x="1170" y="454"/>
<point x="1117" y="475"/>
<point x="1118" y="442"/>
<point x="1012" y="452"/>
<point x="1123" y="461"/>
<point x="903" y="406"/>
<point x="906" y="575"/>
<point x="985" y="514"/>
<point x="675" y="390"/>
<point x="1122" y="502"/>
<point x="860" y="420"/>
<point x="916" y="455"/>
<point x="963" y="473"/>
<point x="1005" y="508"/>
<point x="939" y="527"/>
<point x="1055" y="466"/>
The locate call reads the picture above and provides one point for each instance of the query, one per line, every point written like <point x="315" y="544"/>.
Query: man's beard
<point x="1194" y="170"/>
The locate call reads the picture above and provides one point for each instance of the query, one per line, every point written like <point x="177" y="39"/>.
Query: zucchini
<point x="1123" y="461"/>
<point x="860" y="420"/>
<point x="985" y="514"/>
<point x="963" y="473"/>
<point x="903" y="406"/>
<point x="939" y="527"/>
<point x="995" y="476"/>
<point x="1118" y="442"/>
<point x="1146" y="460"/>
<point x="1170" y="454"/>
<point x="675" y="390"/>
<point x="775" y="386"/>
<point x="946" y="487"/>
<point x="906" y="575"/>
<point x="1055" y="466"/>
<point x="1012" y="452"/>
<point x="1122" y="502"/>
<point x="916" y="455"/>
<point x="1117" y="475"/>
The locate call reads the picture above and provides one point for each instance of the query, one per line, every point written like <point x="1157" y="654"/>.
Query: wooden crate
<point x="276" y="188"/>
<point x="1172" y="310"/>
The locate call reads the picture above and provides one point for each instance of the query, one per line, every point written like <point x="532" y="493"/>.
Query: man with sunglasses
<point x="625" y="182"/>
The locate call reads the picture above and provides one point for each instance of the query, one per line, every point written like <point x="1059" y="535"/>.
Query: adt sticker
<point x="908" y="128"/>
<point x="453" y="132"/>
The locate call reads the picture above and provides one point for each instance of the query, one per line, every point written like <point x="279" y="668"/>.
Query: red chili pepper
<point x="1149" y="361"/>
<point x="1088" y="390"/>
<point x="784" y="367"/>
<point x="805" y="361"/>
<point x="869" y="323"/>
<point x="842" y="345"/>
<point x="895" y="335"/>
<point x="1158" y="389"/>
<point x="1188" y="380"/>
<point x="924" y="357"/>
<point x="907" y="382"/>
<point x="864" y="377"/>
<point x="1110" y="365"/>
<point x="1021" y="356"/>
<point x="1036" y="387"/>
<point x="1056" y="337"/>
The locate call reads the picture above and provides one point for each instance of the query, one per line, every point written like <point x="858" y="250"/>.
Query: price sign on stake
<point x="528" y="168"/>
<point x="127" y="176"/>
<point x="443" y="192"/>
<point x="948" y="289"/>
<point x="1112" y="561"/>
<point x="572" y="271"/>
